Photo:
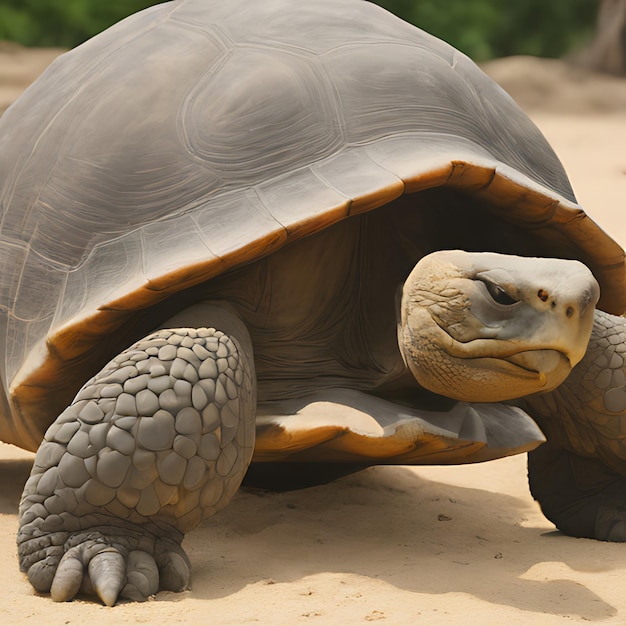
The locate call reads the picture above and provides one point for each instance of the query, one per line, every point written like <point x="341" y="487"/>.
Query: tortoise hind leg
<point x="582" y="497"/>
<point x="157" y="441"/>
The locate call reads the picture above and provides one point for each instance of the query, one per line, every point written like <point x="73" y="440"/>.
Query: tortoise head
<point x="485" y="327"/>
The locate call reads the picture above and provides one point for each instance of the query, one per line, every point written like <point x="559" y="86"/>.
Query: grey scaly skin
<point x="579" y="475"/>
<point x="157" y="441"/>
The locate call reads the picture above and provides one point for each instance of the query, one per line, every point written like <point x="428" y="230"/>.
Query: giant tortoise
<point x="309" y="223"/>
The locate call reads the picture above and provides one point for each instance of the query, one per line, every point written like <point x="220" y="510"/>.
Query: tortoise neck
<point x="586" y="415"/>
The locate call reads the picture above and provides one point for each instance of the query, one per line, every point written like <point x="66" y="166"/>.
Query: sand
<point x="394" y="545"/>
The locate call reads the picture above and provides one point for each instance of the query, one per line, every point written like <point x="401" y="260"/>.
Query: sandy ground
<point x="393" y="545"/>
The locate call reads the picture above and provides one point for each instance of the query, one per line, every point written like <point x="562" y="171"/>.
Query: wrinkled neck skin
<point x="586" y="414"/>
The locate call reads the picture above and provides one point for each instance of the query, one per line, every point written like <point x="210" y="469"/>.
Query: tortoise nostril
<point x="543" y="295"/>
<point x="569" y="311"/>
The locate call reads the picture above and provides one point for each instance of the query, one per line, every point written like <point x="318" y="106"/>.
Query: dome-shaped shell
<point x="199" y="135"/>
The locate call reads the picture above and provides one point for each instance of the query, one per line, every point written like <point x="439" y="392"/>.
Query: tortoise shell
<point x="198" y="137"/>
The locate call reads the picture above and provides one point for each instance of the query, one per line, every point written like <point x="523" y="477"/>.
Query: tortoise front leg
<point x="159" y="440"/>
<point x="579" y="476"/>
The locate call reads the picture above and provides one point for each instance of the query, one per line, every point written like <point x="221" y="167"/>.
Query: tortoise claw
<point x="142" y="576"/>
<point x="175" y="572"/>
<point x="107" y="571"/>
<point x="41" y="573"/>
<point x="68" y="578"/>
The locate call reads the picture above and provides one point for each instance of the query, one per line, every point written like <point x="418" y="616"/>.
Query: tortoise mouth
<point x="548" y="367"/>
<point x="540" y="361"/>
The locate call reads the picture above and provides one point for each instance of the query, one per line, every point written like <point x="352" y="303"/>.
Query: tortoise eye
<point x="498" y="294"/>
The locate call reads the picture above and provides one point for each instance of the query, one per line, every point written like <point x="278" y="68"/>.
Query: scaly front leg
<point x="579" y="475"/>
<point x="159" y="440"/>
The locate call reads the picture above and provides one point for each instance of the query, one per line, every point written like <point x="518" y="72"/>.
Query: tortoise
<point x="310" y="236"/>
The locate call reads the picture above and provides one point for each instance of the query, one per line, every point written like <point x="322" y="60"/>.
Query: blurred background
<point x="483" y="29"/>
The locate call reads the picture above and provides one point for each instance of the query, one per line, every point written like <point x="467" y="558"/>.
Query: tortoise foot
<point x="157" y="441"/>
<point x="129" y="562"/>
<point x="581" y="496"/>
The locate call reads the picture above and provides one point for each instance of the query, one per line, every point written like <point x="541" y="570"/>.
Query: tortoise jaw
<point x="540" y="361"/>
<point x="549" y="367"/>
